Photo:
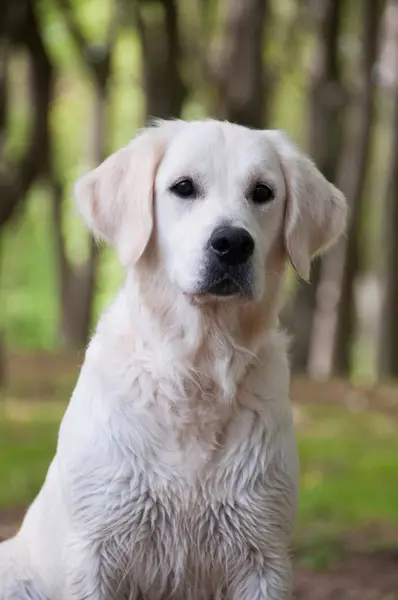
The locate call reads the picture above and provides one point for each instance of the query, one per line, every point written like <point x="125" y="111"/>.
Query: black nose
<point x="232" y="245"/>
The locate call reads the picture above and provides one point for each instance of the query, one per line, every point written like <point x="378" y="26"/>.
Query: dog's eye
<point x="184" y="188"/>
<point x="262" y="194"/>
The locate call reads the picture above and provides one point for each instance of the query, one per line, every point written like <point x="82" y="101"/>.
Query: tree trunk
<point x="346" y="320"/>
<point x="77" y="302"/>
<point x="240" y="73"/>
<point x="4" y="56"/>
<point x="3" y="363"/>
<point x="388" y="343"/>
<point x="16" y="180"/>
<point x="157" y="25"/>
<point x="326" y="104"/>
<point x="77" y="283"/>
<point x="19" y="26"/>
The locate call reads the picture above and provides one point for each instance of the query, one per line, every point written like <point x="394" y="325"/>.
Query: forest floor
<point x="346" y="542"/>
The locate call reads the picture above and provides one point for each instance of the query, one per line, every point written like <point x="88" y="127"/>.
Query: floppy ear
<point x="316" y="210"/>
<point x="116" y="198"/>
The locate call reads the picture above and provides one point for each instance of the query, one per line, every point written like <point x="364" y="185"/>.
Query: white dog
<point x="176" y="470"/>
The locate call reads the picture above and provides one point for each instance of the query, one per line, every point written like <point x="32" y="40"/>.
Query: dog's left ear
<point x="116" y="198"/>
<point x="316" y="210"/>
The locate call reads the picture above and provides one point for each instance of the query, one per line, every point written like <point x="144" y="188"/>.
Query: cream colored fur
<point x="176" y="471"/>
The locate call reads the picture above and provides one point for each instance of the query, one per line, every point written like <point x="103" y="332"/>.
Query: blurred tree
<point x="239" y="72"/>
<point x="353" y="183"/>
<point x="4" y="58"/>
<point x="19" y="27"/>
<point x="3" y="363"/>
<point x="77" y="282"/>
<point x="334" y="319"/>
<point x="325" y="129"/>
<point x="388" y="342"/>
<point x="157" y="24"/>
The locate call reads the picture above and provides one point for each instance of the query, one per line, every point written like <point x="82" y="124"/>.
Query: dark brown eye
<point x="184" y="188"/>
<point x="262" y="194"/>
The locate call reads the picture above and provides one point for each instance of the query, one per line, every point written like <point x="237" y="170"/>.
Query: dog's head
<point x="209" y="201"/>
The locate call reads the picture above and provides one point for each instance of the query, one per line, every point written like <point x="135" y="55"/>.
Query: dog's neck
<point x="213" y="343"/>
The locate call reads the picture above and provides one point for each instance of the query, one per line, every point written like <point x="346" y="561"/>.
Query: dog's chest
<point x="178" y="493"/>
<point x="168" y="516"/>
<point x="183" y="535"/>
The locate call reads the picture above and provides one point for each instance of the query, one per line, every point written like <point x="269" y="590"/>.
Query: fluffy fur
<point x="176" y="470"/>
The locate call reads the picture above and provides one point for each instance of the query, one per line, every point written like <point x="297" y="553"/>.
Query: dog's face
<point x="214" y="198"/>
<point x="219" y="206"/>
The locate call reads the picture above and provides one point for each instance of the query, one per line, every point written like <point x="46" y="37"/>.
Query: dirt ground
<point x="357" y="577"/>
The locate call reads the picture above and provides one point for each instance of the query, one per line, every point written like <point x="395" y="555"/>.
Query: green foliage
<point x="29" y="278"/>
<point x="28" y="283"/>
<point x="349" y="467"/>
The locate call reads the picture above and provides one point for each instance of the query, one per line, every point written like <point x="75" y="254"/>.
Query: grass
<point x="349" y="467"/>
<point x="28" y="434"/>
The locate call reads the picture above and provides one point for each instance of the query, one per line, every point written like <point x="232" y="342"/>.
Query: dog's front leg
<point x="91" y="574"/>
<point x="270" y="581"/>
<point x="85" y="573"/>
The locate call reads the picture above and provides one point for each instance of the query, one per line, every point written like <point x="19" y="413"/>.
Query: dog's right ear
<point x="116" y="198"/>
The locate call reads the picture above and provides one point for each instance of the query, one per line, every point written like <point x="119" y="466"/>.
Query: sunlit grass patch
<point x="28" y="435"/>
<point x="349" y="465"/>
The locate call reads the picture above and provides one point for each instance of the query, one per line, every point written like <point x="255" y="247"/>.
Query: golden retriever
<point x="176" y="471"/>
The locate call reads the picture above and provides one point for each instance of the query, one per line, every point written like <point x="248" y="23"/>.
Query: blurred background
<point x="77" y="78"/>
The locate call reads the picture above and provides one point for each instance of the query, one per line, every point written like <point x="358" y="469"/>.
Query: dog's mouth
<point x="225" y="283"/>
<point x="224" y="287"/>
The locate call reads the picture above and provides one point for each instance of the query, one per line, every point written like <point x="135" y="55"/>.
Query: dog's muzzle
<point x="228" y="269"/>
